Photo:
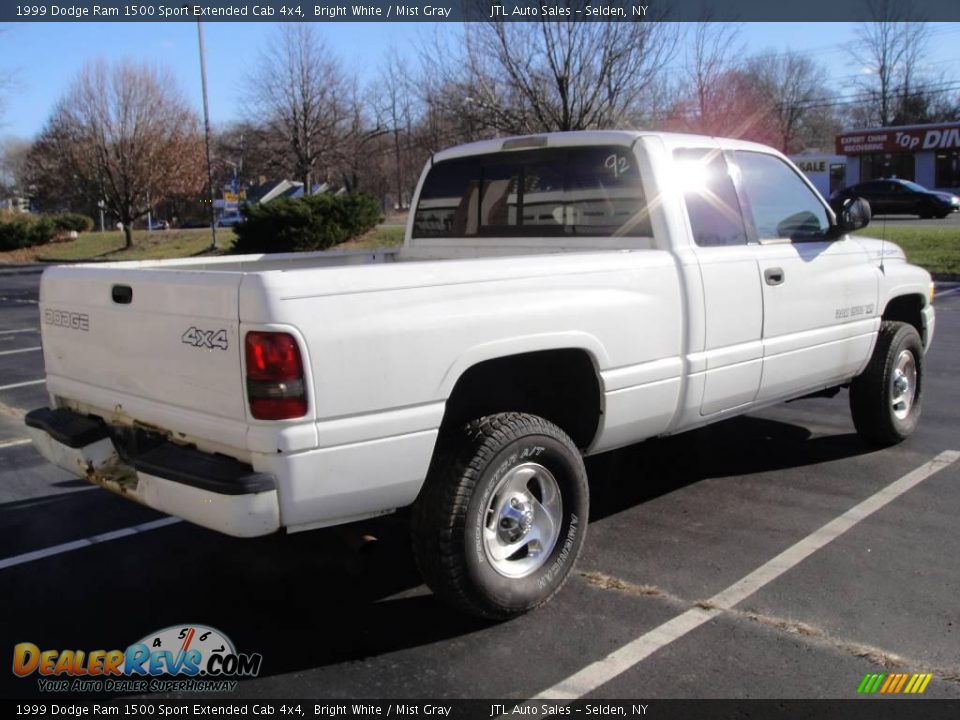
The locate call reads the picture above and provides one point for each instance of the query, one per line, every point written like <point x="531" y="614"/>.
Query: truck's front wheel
<point x="502" y="515"/>
<point x="885" y="399"/>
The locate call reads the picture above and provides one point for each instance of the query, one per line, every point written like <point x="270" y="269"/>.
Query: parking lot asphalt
<point x="769" y="556"/>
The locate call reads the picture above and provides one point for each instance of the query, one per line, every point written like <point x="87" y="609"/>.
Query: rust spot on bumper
<point x="113" y="475"/>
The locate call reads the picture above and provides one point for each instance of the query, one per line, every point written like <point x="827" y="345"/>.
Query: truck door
<point x="733" y="303"/>
<point x="819" y="295"/>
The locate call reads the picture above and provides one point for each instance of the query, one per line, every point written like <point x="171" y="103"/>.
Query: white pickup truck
<point x="555" y="296"/>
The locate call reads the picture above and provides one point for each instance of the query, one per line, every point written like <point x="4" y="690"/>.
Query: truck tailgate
<point x="159" y="335"/>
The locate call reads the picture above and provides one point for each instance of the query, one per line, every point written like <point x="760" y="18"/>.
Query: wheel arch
<point x="561" y="385"/>
<point x="908" y="309"/>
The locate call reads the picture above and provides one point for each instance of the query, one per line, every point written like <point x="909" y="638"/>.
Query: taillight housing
<point x="275" y="384"/>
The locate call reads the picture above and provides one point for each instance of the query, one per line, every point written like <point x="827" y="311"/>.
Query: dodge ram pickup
<point x="555" y="296"/>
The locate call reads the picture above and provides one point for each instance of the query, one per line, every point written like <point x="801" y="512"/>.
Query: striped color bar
<point x="895" y="683"/>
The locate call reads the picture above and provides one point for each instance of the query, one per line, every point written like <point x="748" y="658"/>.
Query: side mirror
<point x="852" y="214"/>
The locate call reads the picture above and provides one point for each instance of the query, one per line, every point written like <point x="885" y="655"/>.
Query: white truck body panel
<point x="678" y="335"/>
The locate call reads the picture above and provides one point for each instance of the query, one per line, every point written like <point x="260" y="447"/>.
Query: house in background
<point x="297" y="191"/>
<point x="270" y="190"/>
<point x="15" y="204"/>
<point x="266" y="191"/>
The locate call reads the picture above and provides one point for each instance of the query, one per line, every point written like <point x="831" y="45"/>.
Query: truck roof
<point x="590" y="137"/>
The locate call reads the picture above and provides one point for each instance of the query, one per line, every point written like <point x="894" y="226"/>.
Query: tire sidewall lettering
<point x="550" y="453"/>
<point x="910" y="343"/>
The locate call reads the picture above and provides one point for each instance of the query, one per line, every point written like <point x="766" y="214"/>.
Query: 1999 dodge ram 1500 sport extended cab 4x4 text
<point x="555" y="296"/>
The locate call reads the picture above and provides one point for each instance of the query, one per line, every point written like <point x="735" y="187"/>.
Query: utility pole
<point x="206" y="129"/>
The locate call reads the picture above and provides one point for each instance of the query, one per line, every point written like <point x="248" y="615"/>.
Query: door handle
<point x="773" y="276"/>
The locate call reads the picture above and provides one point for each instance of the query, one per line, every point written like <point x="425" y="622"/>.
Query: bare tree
<point x="793" y="85"/>
<point x="738" y="108"/>
<point x="711" y="53"/>
<point x="123" y="133"/>
<point x="357" y="142"/>
<point x="394" y="104"/>
<point x="13" y="165"/>
<point x="890" y="51"/>
<point x="297" y="93"/>
<point x="557" y="75"/>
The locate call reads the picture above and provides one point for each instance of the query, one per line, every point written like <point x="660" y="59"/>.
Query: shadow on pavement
<point x="323" y="597"/>
<point x="740" y="446"/>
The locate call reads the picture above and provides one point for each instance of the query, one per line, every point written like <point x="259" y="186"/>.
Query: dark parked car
<point x="900" y="197"/>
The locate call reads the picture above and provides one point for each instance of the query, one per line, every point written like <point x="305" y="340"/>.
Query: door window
<point x="710" y="196"/>
<point x="781" y="204"/>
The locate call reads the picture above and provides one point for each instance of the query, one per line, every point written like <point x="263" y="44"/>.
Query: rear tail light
<point x="275" y="384"/>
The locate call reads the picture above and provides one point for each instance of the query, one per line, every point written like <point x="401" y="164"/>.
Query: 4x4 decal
<point x="205" y="338"/>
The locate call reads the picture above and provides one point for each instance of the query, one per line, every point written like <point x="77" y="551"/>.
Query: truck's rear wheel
<point x="502" y="514"/>
<point x="885" y="400"/>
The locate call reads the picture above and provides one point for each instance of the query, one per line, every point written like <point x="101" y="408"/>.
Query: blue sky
<point x="43" y="58"/>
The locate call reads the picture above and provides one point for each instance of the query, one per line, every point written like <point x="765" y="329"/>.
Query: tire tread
<point x="868" y="392"/>
<point x="440" y="512"/>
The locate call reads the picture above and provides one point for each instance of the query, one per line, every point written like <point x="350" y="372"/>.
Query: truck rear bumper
<point x="210" y="490"/>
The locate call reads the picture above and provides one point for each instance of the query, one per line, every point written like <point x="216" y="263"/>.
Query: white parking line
<point x="22" y="301"/>
<point x="21" y="350"/>
<point x="15" y="332"/>
<point x="86" y="542"/>
<point x="4" y="444"/>
<point x="624" y="658"/>
<point x="28" y="383"/>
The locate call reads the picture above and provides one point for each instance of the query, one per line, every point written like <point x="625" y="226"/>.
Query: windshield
<point x="913" y="186"/>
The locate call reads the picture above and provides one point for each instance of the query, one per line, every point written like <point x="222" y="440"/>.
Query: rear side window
<point x="783" y="206"/>
<point x="585" y="191"/>
<point x="710" y="196"/>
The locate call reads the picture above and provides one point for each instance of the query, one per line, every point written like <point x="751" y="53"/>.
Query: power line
<point x="868" y="95"/>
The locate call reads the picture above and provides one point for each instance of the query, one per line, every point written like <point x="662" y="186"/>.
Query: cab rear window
<point x="584" y="191"/>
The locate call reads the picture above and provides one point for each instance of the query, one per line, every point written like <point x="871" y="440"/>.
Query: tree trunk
<point x="396" y="150"/>
<point x="127" y="235"/>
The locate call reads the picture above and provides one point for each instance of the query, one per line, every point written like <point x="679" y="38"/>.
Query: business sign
<point x="900" y="140"/>
<point x="812" y="166"/>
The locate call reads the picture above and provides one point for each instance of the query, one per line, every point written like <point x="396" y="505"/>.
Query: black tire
<point x="873" y="393"/>
<point x="456" y="520"/>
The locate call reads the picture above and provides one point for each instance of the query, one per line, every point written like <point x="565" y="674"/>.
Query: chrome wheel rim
<point x="903" y="385"/>
<point x="522" y="520"/>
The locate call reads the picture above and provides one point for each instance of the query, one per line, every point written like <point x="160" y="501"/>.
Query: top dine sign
<point x="892" y="140"/>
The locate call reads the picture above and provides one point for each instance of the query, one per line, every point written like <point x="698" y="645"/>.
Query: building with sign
<point x="927" y="154"/>
<point x="828" y="173"/>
